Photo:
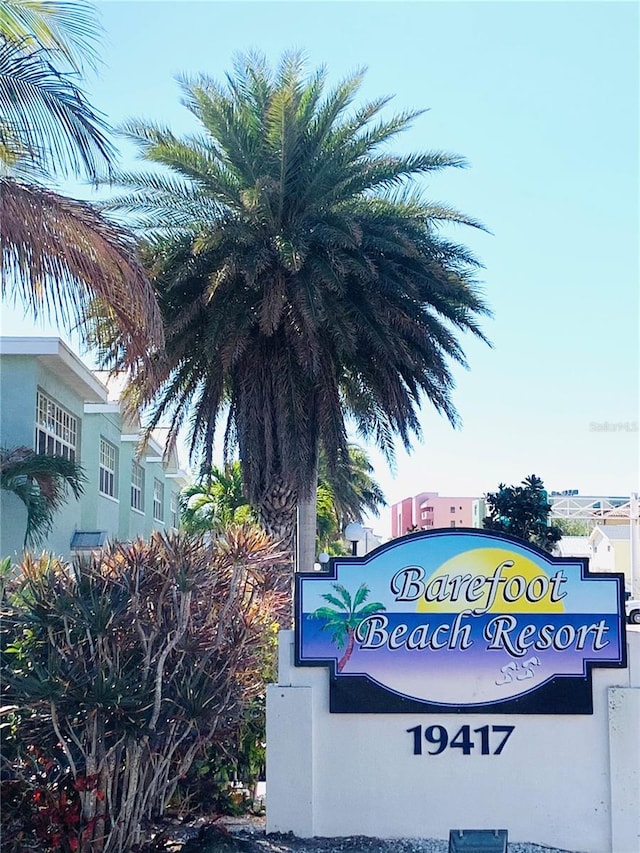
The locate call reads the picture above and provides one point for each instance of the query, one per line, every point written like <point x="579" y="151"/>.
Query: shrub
<point x="120" y="671"/>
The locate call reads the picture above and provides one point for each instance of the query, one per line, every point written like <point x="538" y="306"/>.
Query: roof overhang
<point x="55" y="355"/>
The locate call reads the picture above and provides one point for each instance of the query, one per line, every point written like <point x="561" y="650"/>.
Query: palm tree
<point x="215" y="501"/>
<point x="299" y="275"/>
<point x="327" y="522"/>
<point x="218" y="499"/>
<point x="41" y="482"/>
<point x="344" y="495"/>
<point x="68" y="29"/>
<point x="60" y="254"/>
<point x="344" y="617"/>
<point x="354" y="489"/>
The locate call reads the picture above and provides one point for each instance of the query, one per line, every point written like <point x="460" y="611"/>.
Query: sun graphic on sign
<point x="526" y="588"/>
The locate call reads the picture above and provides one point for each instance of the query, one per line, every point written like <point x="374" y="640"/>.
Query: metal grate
<point x="88" y="540"/>
<point x="478" y="841"/>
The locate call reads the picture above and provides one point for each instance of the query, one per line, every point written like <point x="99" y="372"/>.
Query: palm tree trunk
<point x="307" y="524"/>
<point x="348" y="651"/>
<point x="277" y="515"/>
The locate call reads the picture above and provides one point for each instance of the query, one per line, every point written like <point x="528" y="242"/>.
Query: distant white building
<point x="573" y="546"/>
<point x="608" y="549"/>
<point x="611" y="550"/>
<point x="369" y="541"/>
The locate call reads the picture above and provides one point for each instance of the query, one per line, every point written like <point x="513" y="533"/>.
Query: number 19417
<point x="491" y="741"/>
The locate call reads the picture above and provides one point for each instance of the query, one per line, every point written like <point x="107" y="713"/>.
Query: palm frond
<point x="41" y="482"/>
<point x="335" y="601"/>
<point x="362" y="593"/>
<point x="67" y="27"/>
<point x="58" y="254"/>
<point x="303" y="276"/>
<point x="49" y="114"/>
<point x="345" y="595"/>
<point x="370" y="610"/>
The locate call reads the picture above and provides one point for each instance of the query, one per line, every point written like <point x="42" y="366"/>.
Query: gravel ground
<point x="248" y="836"/>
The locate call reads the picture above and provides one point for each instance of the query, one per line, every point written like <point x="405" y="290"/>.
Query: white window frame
<point x="173" y="510"/>
<point x="56" y="430"/>
<point x="137" y="486"/>
<point x="158" y="500"/>
<point x="108" y="468"/>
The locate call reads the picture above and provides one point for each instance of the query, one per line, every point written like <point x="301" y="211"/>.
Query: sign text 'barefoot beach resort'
<point x="460" y="621"/>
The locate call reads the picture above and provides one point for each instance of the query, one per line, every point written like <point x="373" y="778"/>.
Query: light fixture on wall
<point x="354" y="533"/>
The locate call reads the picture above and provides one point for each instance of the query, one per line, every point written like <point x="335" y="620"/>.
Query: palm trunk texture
<point x="278" y="516"/>
<point x="307" y="524"/>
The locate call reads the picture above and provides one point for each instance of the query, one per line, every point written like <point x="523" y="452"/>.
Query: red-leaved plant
<point x="123" y="669"/>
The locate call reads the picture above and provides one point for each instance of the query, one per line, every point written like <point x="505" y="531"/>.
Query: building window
<point x="137" y="487"/>
<point x="108" y="455"/>
<point x="158" y="500"/>
<point x="452" y="509"/>
<point x="453" y="524"/>
<point x="174" y="510"/>
<point x="56" y="429"/>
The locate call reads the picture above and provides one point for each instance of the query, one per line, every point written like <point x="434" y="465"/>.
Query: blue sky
<point x="542" y="100"/>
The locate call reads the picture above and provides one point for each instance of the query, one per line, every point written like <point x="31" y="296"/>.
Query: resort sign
<point x="460" y="621"/>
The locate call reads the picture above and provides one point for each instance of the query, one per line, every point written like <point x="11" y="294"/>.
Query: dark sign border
<point x="360" y="694"/>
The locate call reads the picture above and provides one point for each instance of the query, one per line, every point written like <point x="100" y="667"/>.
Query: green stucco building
<point x="50" y="401"/>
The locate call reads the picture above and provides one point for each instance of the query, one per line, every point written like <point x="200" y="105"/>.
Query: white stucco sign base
<point x="570" y="782"/>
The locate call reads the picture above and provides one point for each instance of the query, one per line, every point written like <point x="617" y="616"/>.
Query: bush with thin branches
<point x="119" y="671"/>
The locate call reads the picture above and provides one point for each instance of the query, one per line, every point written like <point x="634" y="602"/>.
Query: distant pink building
<point x="429" y="510"/>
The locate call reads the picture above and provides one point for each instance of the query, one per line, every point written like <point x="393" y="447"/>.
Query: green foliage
<point x="5" y="575"/>
<point x="572" y="526"/>
<point x="215" y="501"/>
<point x="69" y="28"/>
<point x="58" y="254"/>
<point x="328" y="524"/>
<point x="238" y="754"/>
<point x="42" y="483"/>
<point x="47" y="125"/>
<point x="302" y="276"/>
<point x="344" y="494"/>
<point x="122" y="670"/>
<point x="523" y="511"/>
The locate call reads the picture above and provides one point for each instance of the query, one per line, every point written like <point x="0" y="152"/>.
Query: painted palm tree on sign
<point x="344" y="617"/>
<point x="60" y="254"/>
<point x="302" y="276"/>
